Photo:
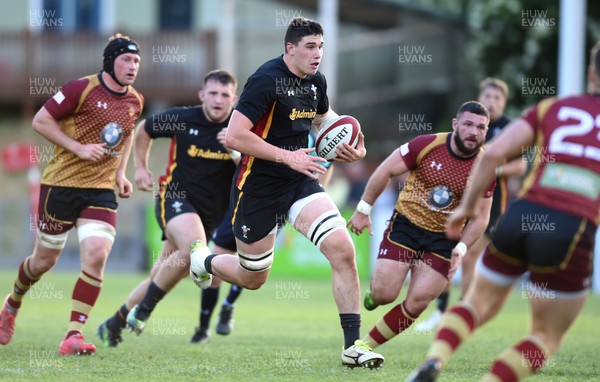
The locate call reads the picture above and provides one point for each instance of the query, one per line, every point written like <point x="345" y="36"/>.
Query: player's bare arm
<point x="45" y="125"/>
<point x="478" y="223"/>
<point x="235" y="155"/>
<point x="240" y="138"/>
<point x="516" y="167"/>
<point x="143" y="142"/>
<point x="324" y="119"/>
<point x="472" y="232"/>
<point x="508" y="144"/>
<point x="392" y="166"/>
<point x="124" y="185"/>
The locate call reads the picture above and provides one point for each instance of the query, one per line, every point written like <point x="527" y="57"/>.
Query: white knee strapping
<point x="52" y="241"/>
<point x="256" y="263"/>
<point x="324" y="226"/>
<point x="301" y="203"/>
<point x="95" y="230"/>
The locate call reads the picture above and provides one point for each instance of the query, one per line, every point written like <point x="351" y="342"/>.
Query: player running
<point x="493" y="94"/>
<point x="438" y="167"/>
<point x="89" y="121"/>
<point x="192" y="196"/>
<point x="224" y="243"/>
<point x="276" y="180"/>
<point x="563" y="187"/>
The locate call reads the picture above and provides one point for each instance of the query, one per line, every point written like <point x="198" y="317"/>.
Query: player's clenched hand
<point x="358" y="222"/>
<point x="456" y="258"/>
<point x="455" y="223"/>
<point x="221" y="137"/>
<point x="301" y="161"/>
<point x="93" y="152"/>
<point x="143" y="179"/>
<point x="125" y="187"/>
<point x="347" y="153"/>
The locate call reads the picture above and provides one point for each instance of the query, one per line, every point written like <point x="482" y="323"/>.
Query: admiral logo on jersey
<point x="194" y="152"/>
<point x="296" y="114"/>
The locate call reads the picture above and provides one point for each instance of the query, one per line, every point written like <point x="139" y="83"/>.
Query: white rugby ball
<point x="345" y="129"/>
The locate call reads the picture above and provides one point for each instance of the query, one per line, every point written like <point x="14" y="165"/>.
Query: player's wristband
<point x="462" y="248"/>
<point x="235" y="154"/>
<point x="364" y="207"/>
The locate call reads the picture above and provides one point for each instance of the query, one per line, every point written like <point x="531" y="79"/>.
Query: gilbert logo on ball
<point x="111" y="134"/>
<point x="345" y="129"/>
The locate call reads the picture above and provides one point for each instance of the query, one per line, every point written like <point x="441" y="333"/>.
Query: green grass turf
<point x="286" y="331"/>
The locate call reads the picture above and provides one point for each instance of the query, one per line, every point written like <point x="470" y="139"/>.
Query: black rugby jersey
<point x="199" y="167"/>
<point x="495" y="128"/>
<point x="281" y="106"/>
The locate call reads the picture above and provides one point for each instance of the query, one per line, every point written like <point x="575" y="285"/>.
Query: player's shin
<point x="119" y="319"/>
<point x="350" y="323"/>
<point x="210" y="297"/>
<point x="85" y="293"/>
<point x="232" y="296"/>
<point x="456" y="326"/>
<point x="520" y="361"/>
<point x="152" y="297"/>
<point x="393" y="323"/>
<point x="24" y="281"/>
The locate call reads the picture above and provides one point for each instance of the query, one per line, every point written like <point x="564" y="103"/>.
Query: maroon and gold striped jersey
<point x="436" y="182"/>
<point x="565" y="174"/>
<point x="83" y="108"/>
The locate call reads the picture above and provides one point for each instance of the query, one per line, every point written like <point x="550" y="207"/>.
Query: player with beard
<point x="493" y="94"/>
<point x="562" y="186"/>
<point x="438" y="167"/>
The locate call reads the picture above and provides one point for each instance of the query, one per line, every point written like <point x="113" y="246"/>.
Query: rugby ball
<point x="344" y="129"/>
<point x="111" y="134"/>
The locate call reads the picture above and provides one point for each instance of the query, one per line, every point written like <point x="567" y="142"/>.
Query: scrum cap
<point x="117" y="45"/>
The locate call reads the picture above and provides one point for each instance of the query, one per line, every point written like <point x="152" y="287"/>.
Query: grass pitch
<point x="286" y="331"/>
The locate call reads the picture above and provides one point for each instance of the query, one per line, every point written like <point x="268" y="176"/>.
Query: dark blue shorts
<point x="254" y="217"/>
<point x="60" y="207"/>
<point x="554" y="246"/>
<point x="223" y="237"/>
<point x="407" y="243"/>
<point x="171" y="204"/>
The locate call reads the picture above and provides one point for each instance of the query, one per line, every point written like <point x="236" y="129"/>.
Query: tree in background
<point x="517" y="40"/>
